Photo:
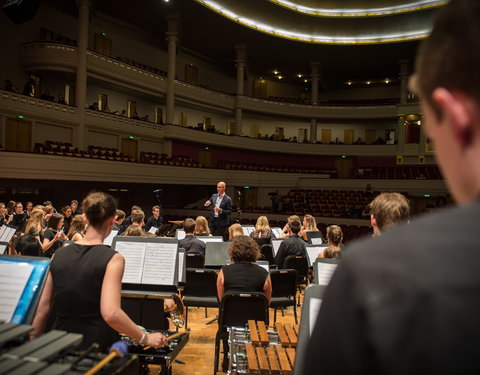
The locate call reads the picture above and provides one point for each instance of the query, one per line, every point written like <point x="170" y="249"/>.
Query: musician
<point x="221" y="206"/>
<point x="85" y="282"/>
<point x="155" y="220"/>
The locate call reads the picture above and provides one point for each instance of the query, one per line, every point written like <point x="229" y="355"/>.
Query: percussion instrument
<point x="164" y="356"/>
<point x="257" y="350"/>
<point x="55" y="353"/>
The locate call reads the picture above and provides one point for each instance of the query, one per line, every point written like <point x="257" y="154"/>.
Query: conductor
<point x="220" y="207"/>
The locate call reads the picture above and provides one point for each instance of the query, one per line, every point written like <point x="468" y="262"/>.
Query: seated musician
<point x="191" y="243"/>
<point x="244" y="275"/>
<point x="85" y="282"/>
<point x="335" y="246"/>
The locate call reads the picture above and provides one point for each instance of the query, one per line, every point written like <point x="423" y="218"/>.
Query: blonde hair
<point x="134" y="231"/>
<point x="77" y="225"/>
<point x="35" y="222"/>
<point x="262" y="224"/>
<point x="334" y="234"/>
<point x="201" y="225"/>
<point x="235" y="230"/>
<point x="311" y="224"/>
<point x="389" y="210"/>
<point x="332" y="252"/>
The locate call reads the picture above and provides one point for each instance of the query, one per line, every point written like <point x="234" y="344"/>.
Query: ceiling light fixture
<point x="387" y="81"/>
<point x="299" y="75"/>
<point x="280" y="77"/>
<point x="276" y="72"/>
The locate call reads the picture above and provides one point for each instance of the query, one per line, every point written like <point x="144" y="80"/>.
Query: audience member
<point x="9" y="86"/>
<point x="406" y="302"/>
<point x="293" y="245"/>
<point x="190" y="243"/>
<point x="29" y="88"/>
<point x="388" y="210"/>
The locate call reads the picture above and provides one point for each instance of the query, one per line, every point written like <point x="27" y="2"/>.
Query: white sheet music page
<point x="153" y="230"/>
<point x="13" y="279"/>
<point x="134" y="254"/>
<point x="315" y="304"/>
<point x="181" y="257"/>
<point x="325" y="272"/>
<point x="108" y="240"/>
<point x="313" y="252"/>
<point x="160" y="261"/>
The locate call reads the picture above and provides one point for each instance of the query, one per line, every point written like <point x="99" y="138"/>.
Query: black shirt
<point x="152" y="222"/>
<point x="244" y="277"/>
<point x="50" y="234"/>
<point x="293" y="245"/>
<point x="192" y="244"/>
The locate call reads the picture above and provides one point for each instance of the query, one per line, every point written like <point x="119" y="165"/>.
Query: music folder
<point x="151" y="264"/>
<point x="22" y="280"/>
<point x="313" y="251"/>
<point x="315" y="237"/>
<point x="277" y="231"/>
<point x="247" y="229"/>
<point x="216" y="254"/>
<point x="276" y="245"/>
<point x="323" y="269"/>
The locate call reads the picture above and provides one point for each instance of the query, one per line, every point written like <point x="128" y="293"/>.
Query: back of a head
<point x="244" y="249"/>
<point x="334" y="234"/>
<point x="333" y="252"/>
<point x="389" y="210"/>
<point x="99" y="207"/>
<point x="235" y="230"/>
<point x="294" y="226"/>
<point x="450" y="56"/>
<point x="310" y="221"/>
<point x="189" y="225"/>
<point x="134" y="231"/>
<point x="28" y="245"/>
<point x="201" y="225"/>
<point x="262" y="224"/>
<point x="137" y="216"/>
<point x="120" y="215"/>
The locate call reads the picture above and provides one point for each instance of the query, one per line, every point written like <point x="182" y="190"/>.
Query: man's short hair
<point x="120" y="214"/>
<point x="28" y="245"/>
<point x="295" y="226"/>
<point x="155" y="207"/>
<point x="389" y="210"/>
<point x="189" y="225"/>
<point x="137" y="216"/>
<point x="450" y="57"/>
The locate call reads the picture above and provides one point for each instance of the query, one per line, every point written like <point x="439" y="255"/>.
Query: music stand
<point x="216" y="254"/>
<point x="323" y="269"/>
<point x="313" y="251"/>
<point x="315" y="237"/>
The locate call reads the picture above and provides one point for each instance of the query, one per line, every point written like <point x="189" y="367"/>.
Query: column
<point x="81" y="81"/>
<point x="401" y="135"/>
<point x="403" y="81"/>
<point x="315" y="75"/>
<point x="240" y="50"/>
<point x="172" y="53"/>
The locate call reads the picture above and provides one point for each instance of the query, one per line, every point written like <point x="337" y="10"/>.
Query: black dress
<point x="50" y="235"/>
<point x="78" y="272"/>
<point x="243" y="277"/>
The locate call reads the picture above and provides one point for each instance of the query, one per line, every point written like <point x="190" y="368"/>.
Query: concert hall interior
<point x="301" y="107"/>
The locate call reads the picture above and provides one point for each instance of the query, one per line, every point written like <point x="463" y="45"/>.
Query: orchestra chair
<point x="284" y="290"/>
<point x="236" y="309"/>
<point x="194" y="260"/>
<point x="267" y="251"/>
<point x="300" y="264"/>
<point x="200" y="290"/>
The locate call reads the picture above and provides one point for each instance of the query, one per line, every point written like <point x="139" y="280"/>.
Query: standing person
<point x="220" y="208"/>
<point x="402" y="303"/>
<point x="155" y="220"/>
<point x="85" y="282"/>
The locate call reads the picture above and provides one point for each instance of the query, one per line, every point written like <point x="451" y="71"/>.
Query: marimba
<point x="257" y="349"/>
<point x="54" y="353"/>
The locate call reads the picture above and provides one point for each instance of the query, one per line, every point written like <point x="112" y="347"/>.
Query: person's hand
<point x="62" y="235"/>
<point x="169" y="305"/>
<point x="207" y="203"/>
<point x="155" y="340"/>
<point x="217" y="209"/>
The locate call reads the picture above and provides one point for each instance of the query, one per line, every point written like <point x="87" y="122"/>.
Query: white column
<point x="172" y="53"/>
<point x="240" y="65"/>
<point x="403" y="81"/>
<point x="81" y="81"/>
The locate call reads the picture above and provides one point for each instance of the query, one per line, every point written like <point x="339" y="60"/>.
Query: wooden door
<point x="18" y="135"/>
<point x="130" y="147"/>
<point x="370" y="136"/>
<point x="191" y="73"/>
<point x="205" y="158"/>
<point x="326" y="136"/>
<point x="260" y="88"/>
<point x="348" y="136"/>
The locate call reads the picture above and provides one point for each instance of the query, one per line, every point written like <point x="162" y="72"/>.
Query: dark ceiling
<point x="209" y="34"/>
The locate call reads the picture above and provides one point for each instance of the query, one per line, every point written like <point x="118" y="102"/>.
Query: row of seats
<point x="400" y="172"/>
<point x="227" y="164"/>
<point x="163" y="159"/>
<point x="94" y="152"/>
<point x="142" y="66"/>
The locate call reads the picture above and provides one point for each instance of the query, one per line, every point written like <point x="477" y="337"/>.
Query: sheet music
<point x="180" y="234"/>
<point x="278" y="232"/>
<point x="160" y="261"/>
<point x="315" y="304"/>
<point x="153" y="230"/>
<point x="247" y="229"/>
<point x="181" y="257"/>
<point x="313" y="251"/>
<point x="13" y="279"/>
<point x="325" y="272"/>
<point x="276" y="246"/>
<point x="316" y="241"/>
<point x="6" y="233"/>
<point x="134" y="254"/>
<point x="108" y="240"/>
<point x="210" y="239"/>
